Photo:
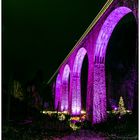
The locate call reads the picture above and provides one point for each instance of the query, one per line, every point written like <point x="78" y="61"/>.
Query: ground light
<point x="61" y="116"/>
<point x="120" y="109"/>
<point x="75" y="122"/>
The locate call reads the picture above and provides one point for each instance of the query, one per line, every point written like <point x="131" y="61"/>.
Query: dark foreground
<point x="44" y="128"/>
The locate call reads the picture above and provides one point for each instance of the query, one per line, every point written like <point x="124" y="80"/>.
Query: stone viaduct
<point x="93" y="43"/>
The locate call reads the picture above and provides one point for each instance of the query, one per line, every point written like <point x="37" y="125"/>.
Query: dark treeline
<point x="24" y="100"/>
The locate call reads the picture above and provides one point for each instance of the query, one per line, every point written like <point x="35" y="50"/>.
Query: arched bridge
<point x="94" y="45"/>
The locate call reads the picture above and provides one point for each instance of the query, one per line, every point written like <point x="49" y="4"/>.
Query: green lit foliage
<point x="17" y="90"/>
<point x="74" y="126"/>
<point x="63" y="118"/>
<point x="121" y="108"/>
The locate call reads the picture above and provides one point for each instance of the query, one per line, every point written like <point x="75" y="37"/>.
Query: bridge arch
<point x="106" y="31"/>
<point x="99" y="95"/>
<point x="58" y="92"/>
<point x="76" y="81"/>
<point x="65" y="88"/>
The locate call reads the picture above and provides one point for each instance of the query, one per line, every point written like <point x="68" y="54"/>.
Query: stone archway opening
<point x="120" y="63"/>
<point x="76" y="82"/>
<point x="84" y="78"/>
<point x="65" y="88"/>
<point x="99" y="97"/>
<point x="58" y="93"/>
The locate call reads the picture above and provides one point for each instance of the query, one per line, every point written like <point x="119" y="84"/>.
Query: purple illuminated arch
<point x="99" y="97"/>
<point x="76" y="84"/>
<point x="107" y="29"/>
<point x="58" y="92"/>
<point x="65" y="88"/>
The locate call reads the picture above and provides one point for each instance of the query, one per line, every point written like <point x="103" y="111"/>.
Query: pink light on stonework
<point x="76" y="84"/>
<point x="58" y="92"/>
<point x="66" y="73"/>
<point x="99" y="97"/>
<point x="65" y="88"/>
<point x="107" y="29"/>
<point x="78" y="60"/>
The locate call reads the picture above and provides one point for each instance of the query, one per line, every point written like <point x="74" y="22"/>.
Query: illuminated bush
<point x="17" y="90"/>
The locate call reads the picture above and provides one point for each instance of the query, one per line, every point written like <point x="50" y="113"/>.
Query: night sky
<point x="38" y="35"/>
